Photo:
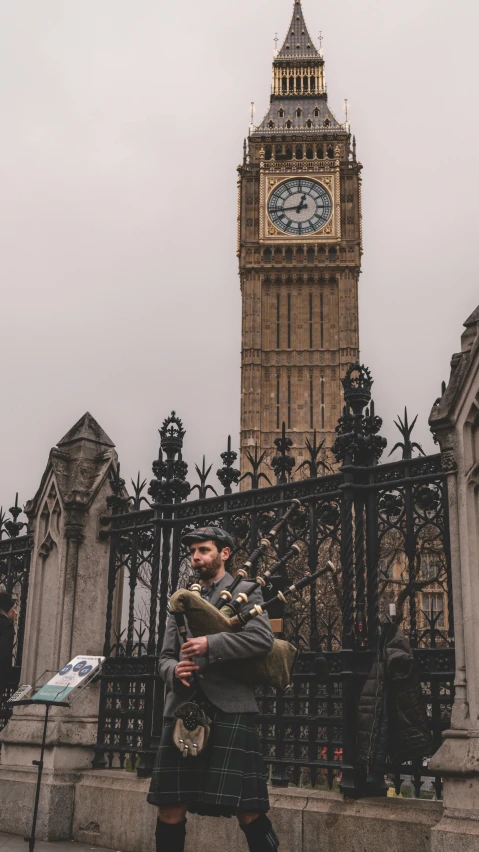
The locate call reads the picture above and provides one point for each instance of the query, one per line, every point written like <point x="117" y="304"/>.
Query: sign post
<point x="65" y="684"/>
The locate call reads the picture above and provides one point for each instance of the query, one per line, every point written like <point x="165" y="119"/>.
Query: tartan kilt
<point x="229" y="775"/>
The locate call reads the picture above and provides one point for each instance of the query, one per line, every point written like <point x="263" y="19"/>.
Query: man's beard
<point x="208" y="572"/>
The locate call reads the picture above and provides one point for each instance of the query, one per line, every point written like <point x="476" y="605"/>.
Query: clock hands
<point x="298" y="208"/>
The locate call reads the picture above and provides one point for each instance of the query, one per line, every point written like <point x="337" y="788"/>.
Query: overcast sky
<point x="122" y="124"/>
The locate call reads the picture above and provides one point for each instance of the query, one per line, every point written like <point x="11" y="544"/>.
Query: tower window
<point x="312" y="84"/>
<point x="299" y="152"/>
<point x="268" y="153"/>
<point x="433" y="606"/>
<point x="289" y="403"/>
<point x="330" y="152"/>
<point x="316" y="113"/>
<point x="277" y="402"/>
<point x="281" y="113"/>
<point x="284" y="84"/>
<point x="310" y="320"/>
<point x="288" y="255"/>
<point x="311" y="403"/>
<point x="278" y="319"/>
<point x="289" y="149"/>
<point x="309" y="124"/>
<point x="270" y="123"/>
<point x="321" y="321"/>
<point x="299" y="112"/>
<point x="278" y="152"/>
<point x="298" y="84"/>
<point x="327" y="122"/>
<point x="289" y="321"/>
<point x="305" y="84"/>
<point x="291" y="84"/>
<point x="320" y="152"/>
<point x="288" y="124"/>
<point x="267" y="255"/>
<point x="310" y="255"/>
<point x="332" y="255"/>
<point x="322" y="403"/>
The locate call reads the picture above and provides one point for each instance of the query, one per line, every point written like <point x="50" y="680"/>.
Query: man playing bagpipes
<point x="219" y="769"/>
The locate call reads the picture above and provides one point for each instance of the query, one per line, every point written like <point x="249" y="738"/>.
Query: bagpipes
<point x="204" y="619"/>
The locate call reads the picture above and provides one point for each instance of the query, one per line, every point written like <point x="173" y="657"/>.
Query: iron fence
<point x="15" y="551"/>
<point x="384" y="526"/>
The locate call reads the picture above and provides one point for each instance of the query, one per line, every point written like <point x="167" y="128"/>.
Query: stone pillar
<point x="66" y="614"/>
<point x="454" y="421"/>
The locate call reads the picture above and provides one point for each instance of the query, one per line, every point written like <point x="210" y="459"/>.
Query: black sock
<point x="261" y="835"/>
<point x="170" y="837"/>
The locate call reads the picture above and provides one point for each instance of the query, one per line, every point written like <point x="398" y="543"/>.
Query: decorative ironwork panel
<point x="385" y="529"/>
<point x="15" y="551"/>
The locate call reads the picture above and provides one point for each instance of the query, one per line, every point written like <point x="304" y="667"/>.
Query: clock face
<point x="299" y="206"/>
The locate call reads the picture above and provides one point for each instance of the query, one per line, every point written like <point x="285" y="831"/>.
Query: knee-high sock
<point x="170" y="838"/>
<point x="261" y="835"/>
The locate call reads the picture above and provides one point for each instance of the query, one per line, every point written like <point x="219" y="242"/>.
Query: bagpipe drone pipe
<point x="204" y="619"/>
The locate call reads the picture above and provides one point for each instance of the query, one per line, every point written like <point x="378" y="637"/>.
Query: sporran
<point x="191" y="729"/>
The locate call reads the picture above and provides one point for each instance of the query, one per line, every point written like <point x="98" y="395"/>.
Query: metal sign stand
<point x="47" y="704"/>
<point x="40" y="763"/>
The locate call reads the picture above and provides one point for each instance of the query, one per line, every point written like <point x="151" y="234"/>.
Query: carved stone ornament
<point x="448" y="461"/>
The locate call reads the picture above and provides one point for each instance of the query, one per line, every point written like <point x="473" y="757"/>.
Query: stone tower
<point x="299" y="248"/>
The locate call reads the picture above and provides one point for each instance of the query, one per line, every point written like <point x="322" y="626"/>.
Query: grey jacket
<point x="224" y="692"/>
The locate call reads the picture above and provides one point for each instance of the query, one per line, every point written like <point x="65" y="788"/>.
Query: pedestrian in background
<point x="8" y="616"/>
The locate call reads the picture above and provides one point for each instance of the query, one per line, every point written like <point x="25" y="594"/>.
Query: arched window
<point x="291" y="84"/>
<point x="327" y="122"/>
<point x="332" y="255"/>
<point x="316" y="113"/>
<point x="271" y="124"/>
<point x="305" y="84"/>
<point x="309" y="124"/>
<point x="299" y="152"/>
<point x="288" y="124"/>
<point x="289" y="255"/>
<point x="330" y="152"/>
<point x="281" y="113"/>
<point x="267" y="255"/>
<point x="299" y="112"/>
<point x="289" y="151"/>
<point x="268" y="153"/>
<point x="278" y="152"/>
<point x="312" y="84"/>
<point x="322" y="253"/>
<point x="310" y="152"/>
<point x="284" y="84"/>
<point x="298" y="84"/>
<point x="310" y="255"/>
<point x="320" y="152"/>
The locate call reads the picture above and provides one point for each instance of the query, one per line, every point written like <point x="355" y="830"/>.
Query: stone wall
<point x="111" y="811"/>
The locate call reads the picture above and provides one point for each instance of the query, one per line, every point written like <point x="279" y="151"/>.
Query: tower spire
<point x="298" y="42"/>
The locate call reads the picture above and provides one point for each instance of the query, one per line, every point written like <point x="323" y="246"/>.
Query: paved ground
<point x="12" y="843"/>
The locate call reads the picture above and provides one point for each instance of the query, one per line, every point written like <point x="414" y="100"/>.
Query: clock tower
<point x="299" y="248"/>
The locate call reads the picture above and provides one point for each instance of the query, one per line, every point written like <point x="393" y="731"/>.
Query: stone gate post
<point x="454" y="421"/>
<point x="65" y="617"/>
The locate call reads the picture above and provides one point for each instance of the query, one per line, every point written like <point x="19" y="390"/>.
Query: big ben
<point x="299" y="248"/>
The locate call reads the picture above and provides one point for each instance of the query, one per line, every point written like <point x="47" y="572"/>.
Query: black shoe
<point x="170" y="838"/>
<point x="261" y="835"/>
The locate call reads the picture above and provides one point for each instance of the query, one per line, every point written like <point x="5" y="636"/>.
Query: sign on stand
<point x="72" y="676"/>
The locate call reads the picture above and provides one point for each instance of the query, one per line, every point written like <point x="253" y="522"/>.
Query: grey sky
<point x="122" y="126"/>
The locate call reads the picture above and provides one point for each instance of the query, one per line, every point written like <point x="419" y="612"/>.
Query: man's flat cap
<point x="209" y="534"/>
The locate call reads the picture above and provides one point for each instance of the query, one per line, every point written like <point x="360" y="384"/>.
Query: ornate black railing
<point x="15" y="550"/>
<point x="384" y="526"/>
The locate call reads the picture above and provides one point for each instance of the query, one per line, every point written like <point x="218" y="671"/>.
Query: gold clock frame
<point x="330" y="231"/>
